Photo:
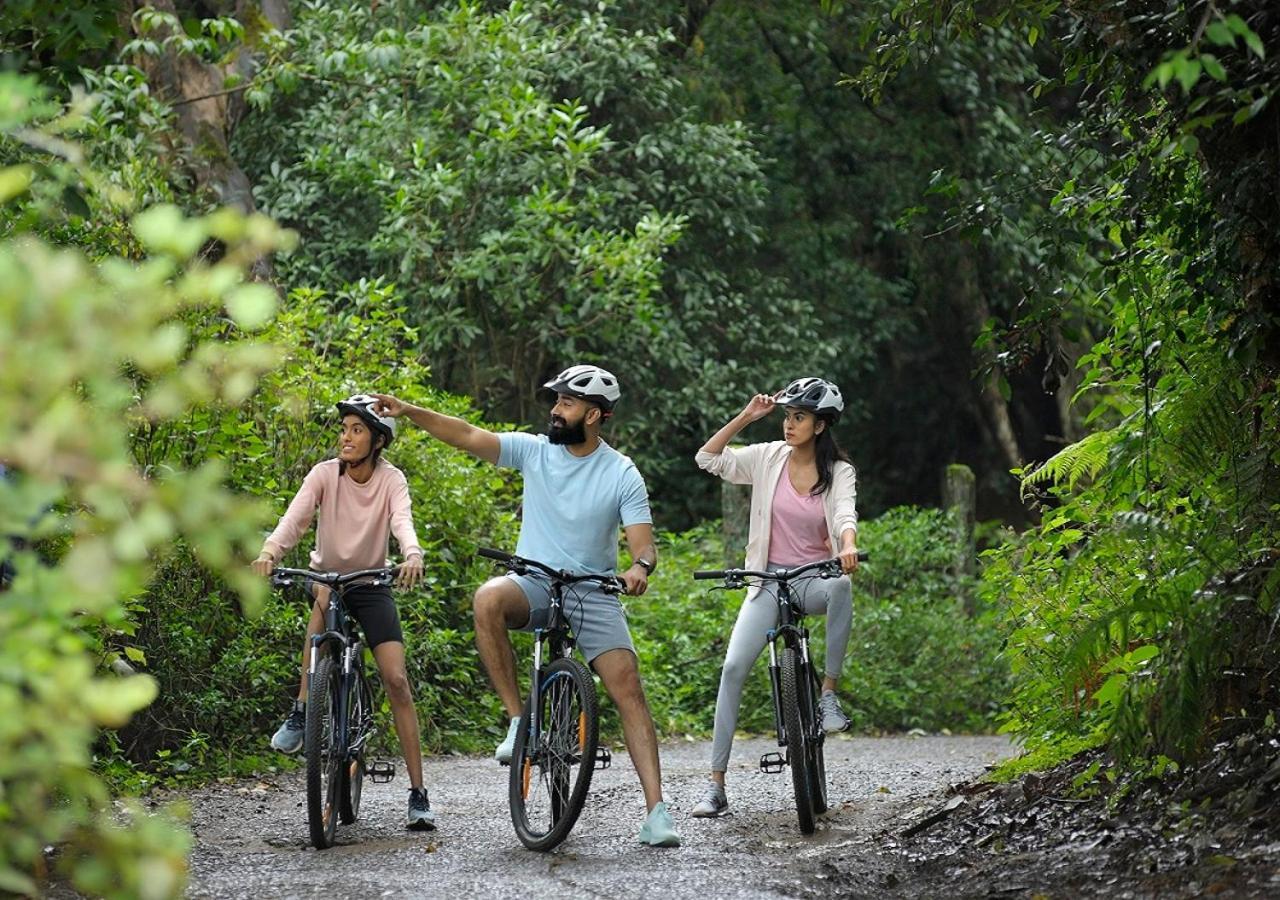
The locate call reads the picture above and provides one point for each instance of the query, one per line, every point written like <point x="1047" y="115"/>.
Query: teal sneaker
<point x="288" y="738"/>
<point x="658" y="829"/>
<point x="508" y="745"/>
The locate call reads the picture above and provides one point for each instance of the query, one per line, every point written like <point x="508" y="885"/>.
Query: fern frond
<point x="1083" y="459"/>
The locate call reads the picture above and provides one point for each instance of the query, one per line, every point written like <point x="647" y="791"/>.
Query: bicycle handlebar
<point x="520" y="565"/>
<point x="831" y="567"/>
<point x="385" y="575"/>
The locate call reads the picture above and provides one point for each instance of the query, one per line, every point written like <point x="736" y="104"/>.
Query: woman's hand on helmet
<point x="759" y="407"/>
<point x="410" y="572"/>
<point x="389" y="405"/>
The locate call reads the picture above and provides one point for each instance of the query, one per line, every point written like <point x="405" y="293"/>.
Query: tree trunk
<point x="206" y="112"/>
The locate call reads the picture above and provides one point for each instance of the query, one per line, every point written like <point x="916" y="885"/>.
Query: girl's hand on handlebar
<point x="636" y="580"/>
<point x="410" y="572"/>
<point x="759" y="407"/>
<point x="849" y="559"/>
<point x="263" y="564"/>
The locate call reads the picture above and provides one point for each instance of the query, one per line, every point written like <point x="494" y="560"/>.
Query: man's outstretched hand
<point x="388" y="405"/>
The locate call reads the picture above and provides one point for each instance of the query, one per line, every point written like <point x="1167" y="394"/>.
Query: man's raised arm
<point x="450" y="429"/>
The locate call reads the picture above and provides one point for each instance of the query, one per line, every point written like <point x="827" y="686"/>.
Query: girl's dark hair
<point x="826" y="450"/>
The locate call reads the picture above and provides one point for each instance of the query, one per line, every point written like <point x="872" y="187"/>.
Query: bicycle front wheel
<point x="795" y="680"/>
<point x="816" y="746"/>
<point x="554" y="756"/>
<point x="359" y="724"/>
<point x="324" y="752"/>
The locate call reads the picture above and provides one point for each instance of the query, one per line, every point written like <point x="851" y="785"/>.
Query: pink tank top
<point x="798" y="531"/>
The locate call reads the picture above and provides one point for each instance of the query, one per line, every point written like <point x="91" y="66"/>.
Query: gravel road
<point x="251" y="838"/>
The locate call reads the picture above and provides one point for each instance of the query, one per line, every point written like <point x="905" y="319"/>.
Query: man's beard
<point x="560" y="432"/>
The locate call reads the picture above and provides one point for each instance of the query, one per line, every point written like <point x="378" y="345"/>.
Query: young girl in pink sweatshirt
<point x="361" y="500"/>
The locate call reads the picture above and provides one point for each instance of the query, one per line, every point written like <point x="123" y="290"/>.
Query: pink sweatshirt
<point x="355" y="519"/>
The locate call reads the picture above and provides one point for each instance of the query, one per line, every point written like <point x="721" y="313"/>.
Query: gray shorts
<point x="596" y="619"/>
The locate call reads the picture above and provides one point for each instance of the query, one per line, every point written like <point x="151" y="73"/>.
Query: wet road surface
<point x="251" y="836"/>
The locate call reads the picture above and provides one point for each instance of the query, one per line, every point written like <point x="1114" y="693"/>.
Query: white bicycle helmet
<point x="589" y="383"/>
<point x="363" y="406"/>
<point x="815" y="394"/>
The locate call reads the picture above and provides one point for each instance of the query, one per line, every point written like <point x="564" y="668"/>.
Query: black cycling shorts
<point x="375" y="609"/>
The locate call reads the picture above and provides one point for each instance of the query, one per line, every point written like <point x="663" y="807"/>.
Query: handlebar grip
<point x="490" y="553"/>
<point x="708" y="575"/>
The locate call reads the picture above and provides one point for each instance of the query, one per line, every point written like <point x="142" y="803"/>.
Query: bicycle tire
<point x="324" y="762"/>
<point x="816" y="747"/>
<point x="548" y="783"/>
<point x="359" y="708"/>
<point x="797" y="736"/>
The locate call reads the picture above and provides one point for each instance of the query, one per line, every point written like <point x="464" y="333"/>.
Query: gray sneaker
<point x="508" y="745"/>
<point x="288" y="737"/>
<point x="713" y="803"/>
<point x="833" y="717"/>
<point x="421" y="818"/>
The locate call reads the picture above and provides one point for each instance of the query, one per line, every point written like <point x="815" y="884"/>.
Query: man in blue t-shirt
<point x="577" y="492"/>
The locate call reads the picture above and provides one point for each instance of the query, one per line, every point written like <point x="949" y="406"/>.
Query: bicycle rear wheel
<point x="550" y="775"/>
<point x="359" y="724"/>
<point x="324" y="752"/>
<point x="794" y="680"/>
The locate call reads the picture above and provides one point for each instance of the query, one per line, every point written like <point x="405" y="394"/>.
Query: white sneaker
<point x="833" y="717"/>
<point x="508" y="745"/>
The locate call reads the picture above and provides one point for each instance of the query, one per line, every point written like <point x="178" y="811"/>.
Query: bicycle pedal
<point x="604" y="759"/>
<point x="772" y="763"/>
<point x="381" y="772"/>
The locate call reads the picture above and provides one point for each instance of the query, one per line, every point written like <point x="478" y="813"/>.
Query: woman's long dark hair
<point x="826" y="450"/>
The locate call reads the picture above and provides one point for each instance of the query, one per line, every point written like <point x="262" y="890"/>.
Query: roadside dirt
<point x="1210" y="831"/>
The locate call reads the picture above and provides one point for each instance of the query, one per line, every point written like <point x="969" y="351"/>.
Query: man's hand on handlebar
<point x="635" y="580"/>
<point x="410" y="572"/>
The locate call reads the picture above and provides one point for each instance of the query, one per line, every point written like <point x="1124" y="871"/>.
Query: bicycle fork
<point x="772" y="763"/>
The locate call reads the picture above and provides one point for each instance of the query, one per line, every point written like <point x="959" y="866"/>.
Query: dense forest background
<point x="1036" y="239"/>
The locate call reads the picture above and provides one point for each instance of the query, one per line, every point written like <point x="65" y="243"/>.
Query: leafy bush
<point x="93" y="352"/>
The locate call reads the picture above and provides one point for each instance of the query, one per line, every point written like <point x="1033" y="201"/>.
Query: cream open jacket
<point x="761" y="465"/>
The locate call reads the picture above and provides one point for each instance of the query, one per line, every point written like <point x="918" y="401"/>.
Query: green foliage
<point x="1141" y="610"/>
<point x="91" y="353"/>
<point x="537" y="185"/>
<point x="916" y="658"/>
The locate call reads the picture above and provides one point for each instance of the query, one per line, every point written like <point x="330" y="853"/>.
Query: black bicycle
<point x="795" y="684"/>
<point x="557" y="746"/>
<point x="339" y="707"/>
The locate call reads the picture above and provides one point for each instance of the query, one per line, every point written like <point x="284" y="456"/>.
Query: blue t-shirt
<point x="573" y="505"/>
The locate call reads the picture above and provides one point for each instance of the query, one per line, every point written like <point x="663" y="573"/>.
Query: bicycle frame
<point x="556" y="634"/>
<point x="790" y="628"/>
<point x="793" y="634"/>
<point x="346" y="645"/>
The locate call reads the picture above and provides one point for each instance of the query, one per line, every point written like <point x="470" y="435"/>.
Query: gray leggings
<point x="830" y="597"/>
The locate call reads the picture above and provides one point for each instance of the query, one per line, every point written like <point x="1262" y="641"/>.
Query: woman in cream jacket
<point x="802" y="510"/>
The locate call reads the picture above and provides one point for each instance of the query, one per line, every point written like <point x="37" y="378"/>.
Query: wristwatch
<point x="648" y="566"/>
